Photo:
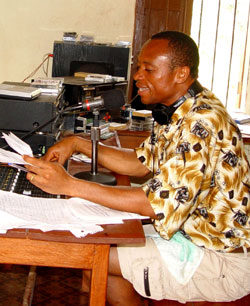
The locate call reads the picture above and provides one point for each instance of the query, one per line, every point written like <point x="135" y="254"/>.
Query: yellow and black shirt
<point x="201" y="177"/>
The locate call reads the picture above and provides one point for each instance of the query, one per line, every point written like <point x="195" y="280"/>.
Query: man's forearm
<point x="122" y="198"/>
<point x="119" y="160"/>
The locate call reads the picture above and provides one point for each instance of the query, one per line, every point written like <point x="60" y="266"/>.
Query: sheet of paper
<point x="10" y="157"/>
<point x="244" y="128"/>
<point x="17" y="144"/>
<point x="46" y="210"/>
<point x="80" y="157"/>
<point x="8" y="220"/>
<point x="91" y="211"/>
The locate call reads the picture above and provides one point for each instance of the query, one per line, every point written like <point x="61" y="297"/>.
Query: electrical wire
<point x="45" y="58"/>
<point x="46" y="70"/>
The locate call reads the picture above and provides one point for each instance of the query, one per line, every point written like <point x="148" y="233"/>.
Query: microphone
<point x="110" y="99"/>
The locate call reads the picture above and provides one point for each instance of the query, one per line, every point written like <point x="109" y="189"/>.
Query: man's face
<point x="155" y="81"/>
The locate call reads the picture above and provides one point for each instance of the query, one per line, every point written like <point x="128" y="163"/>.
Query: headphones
<point x="162" y="113"/>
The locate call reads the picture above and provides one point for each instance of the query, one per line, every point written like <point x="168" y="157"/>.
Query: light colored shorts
<point x="220" y="277"/>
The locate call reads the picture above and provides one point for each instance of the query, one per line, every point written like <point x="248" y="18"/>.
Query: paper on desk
<point x="18" y="211"/>
<point x="76" y="215"/>
<point x="98" y="213"/>
<point x="21" y="147"/>
<point x="80" y="157"/>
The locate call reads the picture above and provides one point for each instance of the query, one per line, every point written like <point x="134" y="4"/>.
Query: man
<point x="197" y="198"/>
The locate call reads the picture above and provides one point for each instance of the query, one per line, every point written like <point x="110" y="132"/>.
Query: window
<point x="221" y="31"/>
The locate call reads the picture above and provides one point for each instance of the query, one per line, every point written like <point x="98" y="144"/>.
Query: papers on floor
<point x="21" y="147"/>
<point x="78" y="216"/>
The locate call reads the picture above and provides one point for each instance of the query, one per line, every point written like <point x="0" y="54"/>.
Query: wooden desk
<point x="62" y="249"/>
<point x="132" y="139"/>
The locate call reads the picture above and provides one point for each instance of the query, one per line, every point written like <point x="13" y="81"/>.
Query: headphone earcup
<point x="162" y="113"/>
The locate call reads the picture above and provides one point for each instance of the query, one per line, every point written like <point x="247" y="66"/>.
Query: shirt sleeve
<point x="145" y="154"/>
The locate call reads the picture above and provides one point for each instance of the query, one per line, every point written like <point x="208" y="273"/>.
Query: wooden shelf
<point x="132" y="139"/>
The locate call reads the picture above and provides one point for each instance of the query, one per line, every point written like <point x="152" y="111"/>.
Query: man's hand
<point x="61" y="151"/>
<point x="48" y="176"/>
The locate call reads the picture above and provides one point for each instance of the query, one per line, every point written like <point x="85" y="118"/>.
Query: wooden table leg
<point x="99" y="278"/>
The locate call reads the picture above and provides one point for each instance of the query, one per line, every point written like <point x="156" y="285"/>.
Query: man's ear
<point x="182" y="74"/>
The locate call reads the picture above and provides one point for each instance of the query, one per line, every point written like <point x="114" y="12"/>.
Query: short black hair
<point x="184" y="50"/>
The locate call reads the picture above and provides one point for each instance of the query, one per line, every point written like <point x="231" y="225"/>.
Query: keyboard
<point x="14" y="180"/>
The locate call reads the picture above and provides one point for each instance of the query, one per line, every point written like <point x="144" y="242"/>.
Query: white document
<point x="99" y="214"/>
<point x="244" y="128"/>
<point x="80" y="157"/>
<point x="17" y="144"/>
<point x="21" y="147"/>
<point x="10" y="157"/>
<point x="240" y="117"/>
<point x="34" y="209"/>
<point x="76" y="215"/>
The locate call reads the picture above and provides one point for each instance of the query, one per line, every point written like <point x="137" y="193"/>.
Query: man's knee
<point x="114" y="266"/>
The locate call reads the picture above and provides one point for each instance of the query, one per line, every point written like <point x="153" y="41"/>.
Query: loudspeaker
<point x="73" y="57"/>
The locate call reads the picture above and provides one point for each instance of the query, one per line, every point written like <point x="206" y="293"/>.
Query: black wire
<point x="133" y="99"/>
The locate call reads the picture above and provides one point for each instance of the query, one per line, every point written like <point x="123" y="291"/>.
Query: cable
<point x="48" y="55"/>
<point x="46" y="69"/>
<point x="133" y="99"/>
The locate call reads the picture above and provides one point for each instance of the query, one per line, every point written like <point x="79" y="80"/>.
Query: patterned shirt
<point x="201" y="180"/>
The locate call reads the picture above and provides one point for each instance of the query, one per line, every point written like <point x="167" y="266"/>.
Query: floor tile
<point x="54" y="286"/>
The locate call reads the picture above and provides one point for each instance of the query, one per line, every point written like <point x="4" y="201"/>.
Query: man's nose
<point x="137" y="75"/>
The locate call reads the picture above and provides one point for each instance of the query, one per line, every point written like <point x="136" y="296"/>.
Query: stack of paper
<point x="76" y="215"/>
